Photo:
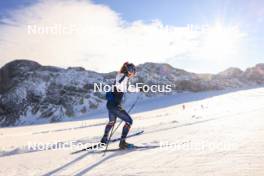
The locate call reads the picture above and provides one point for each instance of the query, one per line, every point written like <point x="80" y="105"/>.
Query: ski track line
<point x="202" y="121"/>
<point x="69" y="129"/>
<point x="89" y="126"/>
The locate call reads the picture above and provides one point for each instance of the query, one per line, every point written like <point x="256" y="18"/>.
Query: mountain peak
<point x="15" y="69"/>
<point x="231" y="72"/>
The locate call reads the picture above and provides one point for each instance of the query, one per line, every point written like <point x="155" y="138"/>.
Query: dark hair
<point x="124" y="68"/>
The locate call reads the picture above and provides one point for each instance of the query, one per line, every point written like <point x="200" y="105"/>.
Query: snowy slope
<point x="217" y="135"/>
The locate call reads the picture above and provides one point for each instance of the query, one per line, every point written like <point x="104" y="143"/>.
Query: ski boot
<point x="124" y="145"/>
<point x="103" y="142"/>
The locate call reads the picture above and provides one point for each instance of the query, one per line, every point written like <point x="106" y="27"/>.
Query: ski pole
<point x="114" y="130"/>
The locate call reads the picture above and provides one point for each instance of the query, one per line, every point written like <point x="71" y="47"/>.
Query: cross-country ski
<point x="101" y="145"/>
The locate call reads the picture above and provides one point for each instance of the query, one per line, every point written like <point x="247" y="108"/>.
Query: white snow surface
<point x="218" y="133"/>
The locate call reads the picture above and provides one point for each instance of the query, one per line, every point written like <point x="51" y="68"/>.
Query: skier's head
<point x="128" y="69"/>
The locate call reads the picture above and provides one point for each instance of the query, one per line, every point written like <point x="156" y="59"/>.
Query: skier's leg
<point x="123" y="144"/>
<point x="108" y="127"/>
<point x="122" y="114"/>
<point x="125" y="131"/>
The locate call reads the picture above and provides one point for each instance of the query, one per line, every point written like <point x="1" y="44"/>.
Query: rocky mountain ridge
<point x="30" y="92"/>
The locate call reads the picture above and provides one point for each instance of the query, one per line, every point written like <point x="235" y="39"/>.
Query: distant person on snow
<point x="114" y="107"/>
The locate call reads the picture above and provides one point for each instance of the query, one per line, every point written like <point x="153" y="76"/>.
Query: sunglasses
<point x="131" y="70"/>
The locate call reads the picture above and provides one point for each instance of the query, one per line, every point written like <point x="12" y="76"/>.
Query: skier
<point x="114" y="107"/>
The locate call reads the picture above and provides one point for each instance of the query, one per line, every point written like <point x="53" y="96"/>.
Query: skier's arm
<point x="121" y="82"/>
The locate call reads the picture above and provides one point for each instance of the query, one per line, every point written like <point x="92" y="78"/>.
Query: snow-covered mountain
<point x="30" y="92"/>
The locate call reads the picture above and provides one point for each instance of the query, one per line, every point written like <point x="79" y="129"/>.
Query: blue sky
<point x="179" y="12"/>
<point x="175" y="12"/>
<point x="6" y="6"/>
<point x="246" y="16"/>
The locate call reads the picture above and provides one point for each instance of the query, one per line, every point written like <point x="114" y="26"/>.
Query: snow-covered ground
<point x="216" y="134"/>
